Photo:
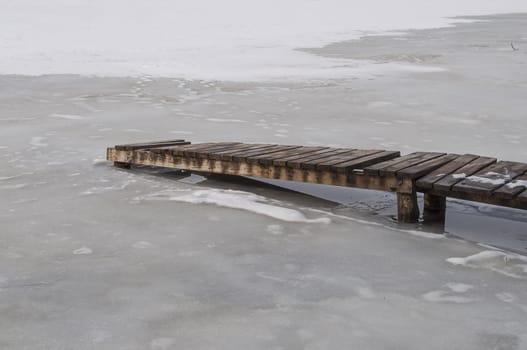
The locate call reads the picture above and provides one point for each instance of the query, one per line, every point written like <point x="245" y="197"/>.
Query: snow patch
<point x="506" y="297"/>
<point x="37" y="141"/>
<point x="490" y="178"/>
<point x="509" y="264"/>
<point x="98" y="161"/>
<point x="517" y="183"/>
<point x="67" y="116"/>
<point x="82" y="251"/>
<point x="237" y="200"/>
<point x="365" y="292"/>
<point x="459" y="287"/>
<point x="182" y="132"/>
<point x="275" y="229"/>
<point x="441" y="296"/>
<point x="269" y="277"/>
<point x="142" y="245"/>
<point x="459" y="176"/>
<point x="220" y="120"/>
<point x="13" y="187"/>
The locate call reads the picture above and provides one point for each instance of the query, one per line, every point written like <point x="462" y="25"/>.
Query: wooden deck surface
<point x="438" y="175"/>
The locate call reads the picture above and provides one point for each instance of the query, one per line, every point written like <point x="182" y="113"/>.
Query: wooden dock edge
<point x="407" y="212"/>
<point x="431" y="173"/>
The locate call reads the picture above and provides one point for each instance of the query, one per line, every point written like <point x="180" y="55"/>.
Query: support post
<point x="122" y="165"/>
<point x="407" y="209"/>
<point x="434" y="208"/>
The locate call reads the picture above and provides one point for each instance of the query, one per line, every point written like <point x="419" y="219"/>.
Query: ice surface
<point x="206" y="39"/>
<point x="168" y="274"/>
<point x="142" y="245"/>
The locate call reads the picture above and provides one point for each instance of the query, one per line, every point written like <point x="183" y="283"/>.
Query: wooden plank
<point x="300" y="151"/>
<point x="522" y="198"/>
<point x="310" y="162"/>
<point x="395" y="168"/>
<point x="313" y="163"/>
<point x="314" y="153"/>
<point x="424" y="168"/>
<point x="485" y="198"/>
<point x="349" y="166"/>
<point x="446" y="183"/>
<point x="375" y="168"/>
<point x="177" y="149"/>
<point x="213" y="145"/>
<point x="490" y="178"/>
<point x="238" y="148"/>
<point x="143" y="145"/>
<point x="256" y="158"/>
<point x="242" y="156"/>
<point x="210" y="151"/>
<point x="229" y="155"/>
<point x="167" y="149"/>
<point x="193" y="151"/>
<point x="513" y="188"/>
<point x="345" y="157"/>
<point x="427" y="181"/>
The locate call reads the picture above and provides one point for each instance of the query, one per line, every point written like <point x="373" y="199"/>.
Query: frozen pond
<point x="94" y="257"/>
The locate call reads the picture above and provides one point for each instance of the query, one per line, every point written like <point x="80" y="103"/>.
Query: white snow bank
<point x="509" y="264"/>
<point x="236" y="200"/>
<point x="207" y="39"/>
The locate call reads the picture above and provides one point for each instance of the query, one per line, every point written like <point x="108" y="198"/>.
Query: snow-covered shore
<point x="211" y="40"/>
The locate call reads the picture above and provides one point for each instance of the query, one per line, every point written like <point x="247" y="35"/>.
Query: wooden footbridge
<point x="437" y="175"/>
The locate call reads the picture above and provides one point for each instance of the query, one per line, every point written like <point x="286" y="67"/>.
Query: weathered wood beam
<point x="434" y="208"/>
<point x="386" y="183"/>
